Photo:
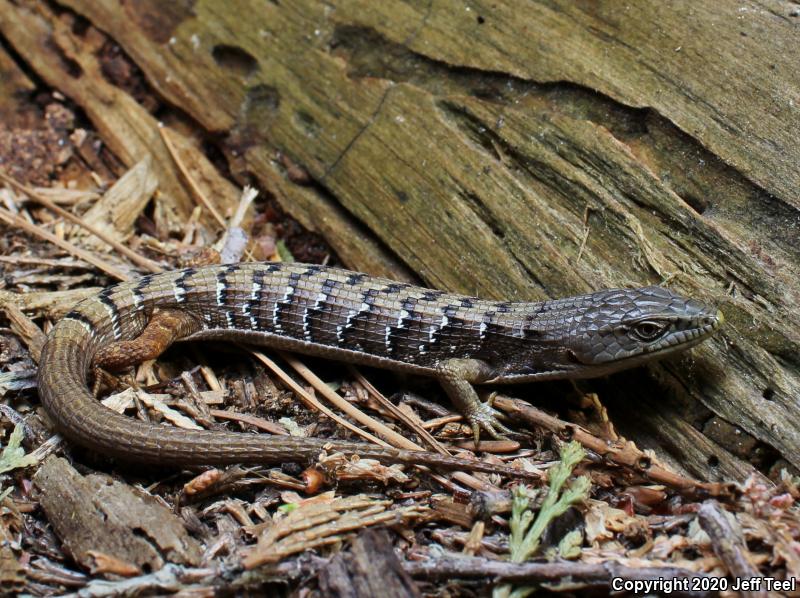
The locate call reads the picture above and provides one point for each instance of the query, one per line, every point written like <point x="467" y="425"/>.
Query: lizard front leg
<point x="457" y="377"/>
<point x="164" y="328"/>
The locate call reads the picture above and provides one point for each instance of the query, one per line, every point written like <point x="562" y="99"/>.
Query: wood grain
<point x="516" y="154"/>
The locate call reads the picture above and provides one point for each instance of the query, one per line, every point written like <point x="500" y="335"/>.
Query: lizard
<point x="333" y="313"/>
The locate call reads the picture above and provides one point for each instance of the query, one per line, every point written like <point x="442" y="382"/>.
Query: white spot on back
<point x="403" y="315"/>
<point x="350" y="317"/>
<point x="432" y="333"/>
<point x="179" y="292"/>
<point x="482" y="330"/>
<point x="220" y="292"/>
<point x="388" y="338"/>
<point x="306" y="325"/>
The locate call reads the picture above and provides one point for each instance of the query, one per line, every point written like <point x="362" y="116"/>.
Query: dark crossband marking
<point x="431" y="295"/>
<point x="357" y="319"/>
<point x="485" y="323"/>
<point x="397" y="331"/>
<point x="491" y="328"/>
<point x="367" y="301"/>
<point x="222" y="287"/>
<point x="254" y="299"/>
<point x="179" y="285"/>
<point x="113" y="312"/>
<point x="448" y="321"/>
<point x="81" y="319"/>
<point x="406" y="312"/>
<point x="468" y="302"/>
<point x="285" y="301"/>
<point x="319" y="302"/>
<point x="394" y="287"/>
<point x="391" y="289"/>
<point x="223" y="293"/>
<point x="503" y="307"/>
<point x="324" y="293"/>
<point x="138" y="291"/>
<point x="314" y="314"/>
<point x="527" y="328"/>
<point x="356" y="278"/>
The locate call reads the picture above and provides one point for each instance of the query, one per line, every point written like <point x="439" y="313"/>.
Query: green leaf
<point x="283" y="251"/>
<point x="526" y="531"/>
<point x="13" y="456"/>
<point x="570" y="545"/>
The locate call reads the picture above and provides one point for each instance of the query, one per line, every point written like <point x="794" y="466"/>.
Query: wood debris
<point x="133" y="143"/>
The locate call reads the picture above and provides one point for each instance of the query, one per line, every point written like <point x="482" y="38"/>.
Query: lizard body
<point x="352" y="317"/>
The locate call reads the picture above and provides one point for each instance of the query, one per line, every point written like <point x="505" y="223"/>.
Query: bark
<point x="106" y="526"/>
<point x="369" y="568"/>
<point x="516" y="151"/>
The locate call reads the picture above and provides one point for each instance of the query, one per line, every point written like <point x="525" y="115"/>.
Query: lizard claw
<point x="484" y="417"/>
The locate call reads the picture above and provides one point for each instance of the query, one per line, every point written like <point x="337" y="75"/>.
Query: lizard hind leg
<point x="164" y="328"/>
<point x="457" y="377"/>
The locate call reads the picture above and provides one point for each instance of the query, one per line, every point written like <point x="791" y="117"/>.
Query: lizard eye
<point x="648" y="330"/>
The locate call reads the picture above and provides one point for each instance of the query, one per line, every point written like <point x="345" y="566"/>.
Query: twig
<point x="42" y="200"/>
<point x="312" y="402"/>
<point x="398" y="413"/>
<point x="250" y="420"/>
<point x="351" y="410"/>
<point x="628" y="454"/>
<point x="574" y="575"/>
<point x="170" y="145"/>
<point x="394" y="438"/>
<point x="728" y="545"/>
<point x="15" y="220"/>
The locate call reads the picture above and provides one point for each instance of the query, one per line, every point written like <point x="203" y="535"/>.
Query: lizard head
<point x="607" y="331"/>
<point x="621" y="328"/>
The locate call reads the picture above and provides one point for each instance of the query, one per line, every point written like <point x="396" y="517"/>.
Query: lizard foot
<point x="484" y="417"/>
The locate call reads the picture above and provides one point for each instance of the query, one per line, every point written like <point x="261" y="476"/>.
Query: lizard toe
<point x="485" y="418"/>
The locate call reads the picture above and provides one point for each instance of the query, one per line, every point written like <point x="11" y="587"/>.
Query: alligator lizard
<point x="347" y="316"/>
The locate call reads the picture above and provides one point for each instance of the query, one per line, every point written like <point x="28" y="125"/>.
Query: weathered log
<point x="508" y="151"/>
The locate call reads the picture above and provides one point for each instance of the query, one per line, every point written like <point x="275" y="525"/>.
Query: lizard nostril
<point x="571" y="356"/>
